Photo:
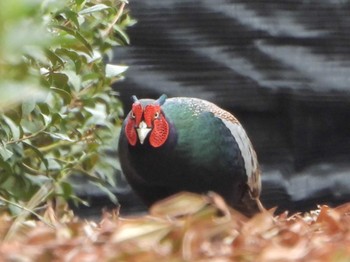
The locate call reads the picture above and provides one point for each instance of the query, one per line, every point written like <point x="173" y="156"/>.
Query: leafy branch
<point x="58" y="112"/>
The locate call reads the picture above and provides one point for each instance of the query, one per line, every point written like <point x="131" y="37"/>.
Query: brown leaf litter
<point x="186" y="227"/>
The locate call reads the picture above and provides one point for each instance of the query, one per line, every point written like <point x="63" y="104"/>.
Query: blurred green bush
<point x="58" y="113"/>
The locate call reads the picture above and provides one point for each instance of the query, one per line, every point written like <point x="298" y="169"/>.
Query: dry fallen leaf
<point x="185" y="227"/>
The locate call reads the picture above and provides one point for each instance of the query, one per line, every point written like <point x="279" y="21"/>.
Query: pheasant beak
<point x="142" y="131"/>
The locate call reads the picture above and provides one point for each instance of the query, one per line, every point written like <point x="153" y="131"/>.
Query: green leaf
<point x="60" y="136"/>
<point x="115" y="70"/>
<point x="37" y="153"/>
<point x="72" y="16"/>
<point x="126" y="20"/>
<point x="44" y="108"/>
<point x="77" y="35"/>
<point x="55" y="59"/>
<point x="98" y="114"/>
<point x="122" y="35"/>
<point x="90" y="161"/>
<point x="74" y="79"/>
<point x="6" y="169"/>
<point x="53" y="164"/>
<point x="94" y="8"/>
<point x="82" y="39"/>
<point x="15" y="129"/>
<point x="27" y="107"/>
<point x="59" y="80"/>
<point x="4" y="152"/>
<point x="80" y="2"/>
<point x="56" y="119"/>
<point x="46" y="119"/>
<point x="64" y="28"/>
<point x="110" y="194"/>
<point x="31" y="125"/>
<point x="63" y="93"/>
<point x="67" y="190"/>
<point x="74" y="56"/>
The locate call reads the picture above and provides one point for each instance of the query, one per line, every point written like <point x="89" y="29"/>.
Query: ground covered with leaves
<point x="185" y="227"/>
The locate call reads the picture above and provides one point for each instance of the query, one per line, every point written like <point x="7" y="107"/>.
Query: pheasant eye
<point x="132" y="115"/>
<point x="156" y="115"/>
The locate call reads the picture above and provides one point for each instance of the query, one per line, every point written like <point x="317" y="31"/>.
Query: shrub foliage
<point x="59" y="115"/>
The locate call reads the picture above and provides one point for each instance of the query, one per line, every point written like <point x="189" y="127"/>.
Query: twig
<point x="26" y="137"/>
<point x="116" y="18"/>
<point x="33" y="202"/>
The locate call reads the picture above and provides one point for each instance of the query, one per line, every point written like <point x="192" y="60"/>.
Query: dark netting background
<point x="282" y="67"/>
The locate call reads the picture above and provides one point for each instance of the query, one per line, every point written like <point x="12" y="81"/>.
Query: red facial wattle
<point x="133" y="122"/>
<point x="160" y="132"/>
<point x="136" y="113"/>
<point x="151" y="113"/>
<point x="160" y="128"/>
<point x="131" y="132"/>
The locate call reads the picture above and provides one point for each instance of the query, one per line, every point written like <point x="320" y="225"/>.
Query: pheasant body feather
<point x="205" y="149"/>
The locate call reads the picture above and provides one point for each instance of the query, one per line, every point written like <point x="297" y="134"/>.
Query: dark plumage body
<point x="201" y="154"/>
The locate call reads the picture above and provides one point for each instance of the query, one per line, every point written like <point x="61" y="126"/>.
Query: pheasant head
<point x="147" y="121"/>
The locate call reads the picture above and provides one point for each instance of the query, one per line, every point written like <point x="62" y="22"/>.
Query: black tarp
<point x="282" y="67"/>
